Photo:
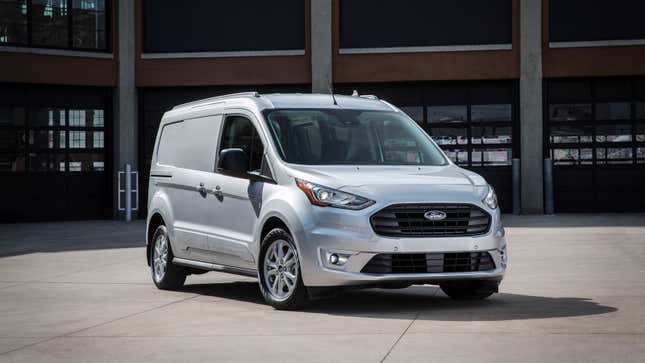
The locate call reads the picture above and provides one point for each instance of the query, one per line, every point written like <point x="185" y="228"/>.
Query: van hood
<point x="447" y="183"/>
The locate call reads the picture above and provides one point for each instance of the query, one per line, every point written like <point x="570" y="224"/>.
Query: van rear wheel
<point x="279" y="273"/>
<point x="165" y="274"/>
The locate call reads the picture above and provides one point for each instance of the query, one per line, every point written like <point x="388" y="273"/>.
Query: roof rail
<point x="369" y="97"/>
<point x="216" y="98"/>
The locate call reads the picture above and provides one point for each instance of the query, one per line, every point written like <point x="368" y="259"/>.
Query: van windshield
<point x="350" y="137"/>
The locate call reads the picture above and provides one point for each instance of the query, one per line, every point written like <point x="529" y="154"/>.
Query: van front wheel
<point x="279" y="273"/>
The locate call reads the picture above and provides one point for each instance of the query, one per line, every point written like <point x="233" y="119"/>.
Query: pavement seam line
<point x="400" y="337"/>
<point x="12" y="285"/>
<point x="74" y="283"/>
<point x="97" y="325"/>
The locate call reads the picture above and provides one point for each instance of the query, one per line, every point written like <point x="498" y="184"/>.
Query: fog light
<point x="335" y="259"/>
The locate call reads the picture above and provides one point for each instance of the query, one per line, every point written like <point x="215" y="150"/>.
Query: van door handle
<point x="201" y="189"/>
<point x="217" y="191"/>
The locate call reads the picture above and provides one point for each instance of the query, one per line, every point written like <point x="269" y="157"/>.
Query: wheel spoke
<point x="274" y="286"/>
<point x="280" y="286"/>
<point x="290" y="262"/>
<point x="280" y="249"/>
<point x="288" y="255"/>
<point x="290" y="276"/>
<point x="289" y="285"/>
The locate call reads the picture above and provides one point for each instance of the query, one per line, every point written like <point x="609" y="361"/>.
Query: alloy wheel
<point x="160" y="257"/>
<point x="281" y="269"/>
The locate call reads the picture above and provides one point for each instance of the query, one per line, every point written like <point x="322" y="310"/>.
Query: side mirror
<point x="233" y="162"/>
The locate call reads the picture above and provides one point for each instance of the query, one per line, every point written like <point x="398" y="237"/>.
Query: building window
<point x="61" y="24"/>
<point x="88" y="24"/>
<point x="49" y="23"/>
<point x="57" y="140"/>
<point x="594" y="122"/>
<point x="170" y="26"/>
<point x="584" y="20"/>
<point x="13" y="28"/>
<point x="385" y="24"/>
<point x="456" y="113"/>
<point x="473" y="134"/>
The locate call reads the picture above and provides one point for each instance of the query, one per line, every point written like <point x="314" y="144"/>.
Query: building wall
<point x="404" y="51"/>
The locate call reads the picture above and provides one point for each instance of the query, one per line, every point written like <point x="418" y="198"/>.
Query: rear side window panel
<point x="190" y="144"/>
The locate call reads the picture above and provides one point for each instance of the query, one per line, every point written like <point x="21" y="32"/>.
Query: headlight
<point x="490" y="199"/>
<point x="326" y="197"/>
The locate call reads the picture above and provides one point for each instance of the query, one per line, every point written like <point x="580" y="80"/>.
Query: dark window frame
<point x="70" y="33"/>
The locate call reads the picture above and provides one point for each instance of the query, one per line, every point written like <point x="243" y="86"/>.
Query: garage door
<point x="595" y="134"/>
<point x="54" y="159"/>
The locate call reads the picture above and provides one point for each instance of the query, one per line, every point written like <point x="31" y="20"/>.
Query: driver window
<point x="239" y="132"/>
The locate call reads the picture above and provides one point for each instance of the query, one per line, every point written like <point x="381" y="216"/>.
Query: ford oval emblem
<point x="434" y="215"/>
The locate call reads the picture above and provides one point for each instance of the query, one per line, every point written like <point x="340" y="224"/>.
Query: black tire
<point x="174" y="276"/>
<point x="298" y="297"/>
<point x="470" y="290"/>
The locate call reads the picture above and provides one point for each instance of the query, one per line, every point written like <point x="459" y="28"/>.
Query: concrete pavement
<point x="81" y="291"/>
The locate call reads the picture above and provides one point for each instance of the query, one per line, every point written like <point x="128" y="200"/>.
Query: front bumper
<point x="355" y="241"/>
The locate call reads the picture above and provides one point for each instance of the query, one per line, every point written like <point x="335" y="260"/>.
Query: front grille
<point x="407" y="220"/>
<point x="410" y="263"/>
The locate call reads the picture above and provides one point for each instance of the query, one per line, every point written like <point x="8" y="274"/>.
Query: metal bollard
<point x="516" y="186"/>
<point x="128" y="192"/>
<point x="548" y="187"/>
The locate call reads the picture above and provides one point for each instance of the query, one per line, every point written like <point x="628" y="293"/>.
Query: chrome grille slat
<point x="407" y="220"/>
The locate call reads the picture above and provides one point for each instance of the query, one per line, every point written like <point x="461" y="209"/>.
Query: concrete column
<point x="125" y="97"/>
<point x="321" y="50"/>
<point x="531" y="106"/>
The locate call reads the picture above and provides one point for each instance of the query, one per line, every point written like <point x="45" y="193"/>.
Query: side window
<point x="170" y="144"/>
<point x="190" y="144"/>
<point x="239" y="132"/>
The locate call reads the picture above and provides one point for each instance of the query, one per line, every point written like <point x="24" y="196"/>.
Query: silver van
<point x="315" y="192"/>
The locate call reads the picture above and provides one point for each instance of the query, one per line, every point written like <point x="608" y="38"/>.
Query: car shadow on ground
<point x="25" y="238"/>
<point x="426" y="301"/>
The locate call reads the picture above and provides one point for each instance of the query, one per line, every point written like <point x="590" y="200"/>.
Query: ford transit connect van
<point x="312" y="192"/>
